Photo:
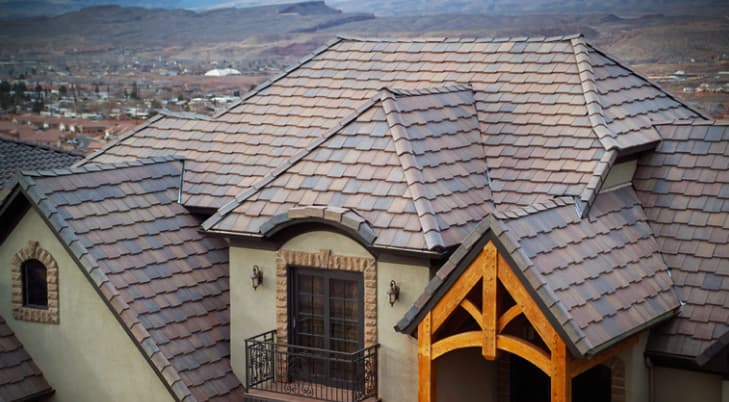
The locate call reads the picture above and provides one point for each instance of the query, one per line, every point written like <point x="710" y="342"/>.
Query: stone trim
<point x="617" y="379"/>
<point x="324" y="259"/>
<point x="33" y="251"/>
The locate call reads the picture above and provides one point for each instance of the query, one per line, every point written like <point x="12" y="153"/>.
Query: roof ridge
<point x="596" y="116"/>
<point x="650" y="82"/>
<point x="97" y="167"/>
<point x="413" y="175"/>
<point x="284" y="73"/>
<point x="693" y="122"/>
<point x="272" y="175"/>
<point x="441" y="89"/>
<point x="519" y="211"/>
<point x="595" y="111"/>
<point x="106" y="289"/>
<point x="184" y="115"/>
<point x="445" y="39"/>
<point x="108" y="146"/>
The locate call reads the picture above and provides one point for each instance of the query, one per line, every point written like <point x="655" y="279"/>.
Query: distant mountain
<point x="103" y="27"/>
<point x="522" y="7"/>
<point x="31" y="8"/>
<point x="25" y="8"/>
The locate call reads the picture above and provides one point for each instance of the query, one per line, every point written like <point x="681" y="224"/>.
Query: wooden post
<point x="426" y="369"/>
<point x="489" y="302"/>
<point x="560" y="380"/>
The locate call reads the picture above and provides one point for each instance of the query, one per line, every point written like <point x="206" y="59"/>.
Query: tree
<point x="135" y="91"/>
<point x="62" y="90"/>
<point x="4" y="86"/>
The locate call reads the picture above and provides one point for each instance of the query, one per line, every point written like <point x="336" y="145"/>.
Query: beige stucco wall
<point x="674" y="385"/>
<point x="254" y="311"/>
<point x="398" y="353"/>
<point x="464" y="375"/>
<point x="670" y="385"/>
<point x="637" y="378"/>
<point x="87" y="356"/>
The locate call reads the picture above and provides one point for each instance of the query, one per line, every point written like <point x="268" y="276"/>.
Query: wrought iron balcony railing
<point x="321" y="374"/>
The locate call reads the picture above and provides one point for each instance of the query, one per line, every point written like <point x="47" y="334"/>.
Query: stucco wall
<point x="673" y="385"/>
<point x="398" y="352"/>
<point x="636" y="375"/>
<point x="254" y="311"/>
<point x="88" y="356"/>
<point x="465" y="376"/>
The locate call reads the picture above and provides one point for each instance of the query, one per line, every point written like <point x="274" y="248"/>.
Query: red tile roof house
<point x="423" y="219"/>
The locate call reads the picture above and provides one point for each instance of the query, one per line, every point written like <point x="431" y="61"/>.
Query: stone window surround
<point x="324" y="259"/>
<point x="49" y="315"/>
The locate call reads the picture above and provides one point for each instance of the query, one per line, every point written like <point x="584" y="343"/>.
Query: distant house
<point x="519" y="219"/>
<point x="221" y="72"/>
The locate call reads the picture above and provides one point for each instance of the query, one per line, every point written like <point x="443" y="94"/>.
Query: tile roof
<point x="20" y="378"/>
<point x="167" y="282"/>
<point x="550" y="109"/>
<point x="411" y="163"/>
<point x="600" y="278"/>
<point x="18" y="155"/>
<point x="684" y="188"/>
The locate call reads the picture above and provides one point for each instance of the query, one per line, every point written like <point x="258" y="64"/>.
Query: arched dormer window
<point x="35" y="285"/>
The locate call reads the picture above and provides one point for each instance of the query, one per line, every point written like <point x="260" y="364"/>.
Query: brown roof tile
<point x="430" y="171"/>
<point x="553" y="93"/>
<point x="686" y="199"/>
<point x="20" y="378"/>
<point x="16" y="156"/>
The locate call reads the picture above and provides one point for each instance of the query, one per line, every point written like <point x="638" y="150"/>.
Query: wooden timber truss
<point x="488" y="276"/>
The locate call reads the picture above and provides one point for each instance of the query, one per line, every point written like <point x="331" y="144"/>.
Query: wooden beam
<point x="473" y="311"/>
<point x="508" y="316"/>
<point x="579" y="366"/>
<point x="455" y="295"/>
<point x="560" y="380"/>
<point x="524" y="300"/>
<point x="489" y="301"/>
<point x="470" y="339"/>
<point x="426" y="369"/>
<point x="525" y="350"/>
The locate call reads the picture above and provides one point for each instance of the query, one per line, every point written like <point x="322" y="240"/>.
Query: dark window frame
<point x="327" y="274"/>
<point x="31" y="281"/>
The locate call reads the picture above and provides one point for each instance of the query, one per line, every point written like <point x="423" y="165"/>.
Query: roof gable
<point x="165" y="282"/>
<point x="598" y="279"/>
<point x="411" y="164"/>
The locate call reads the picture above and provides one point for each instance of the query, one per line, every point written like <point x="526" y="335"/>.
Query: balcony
<point x="280" y="371"/>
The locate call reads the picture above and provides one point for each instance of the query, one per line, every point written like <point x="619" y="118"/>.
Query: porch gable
<point x="481" y="291"/>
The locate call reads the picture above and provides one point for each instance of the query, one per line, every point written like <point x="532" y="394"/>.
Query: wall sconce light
<point x="256" y="277"/>
<point x="394" y="293"/>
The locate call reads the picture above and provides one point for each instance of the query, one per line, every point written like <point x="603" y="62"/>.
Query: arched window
<point x="35" y="284"/>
